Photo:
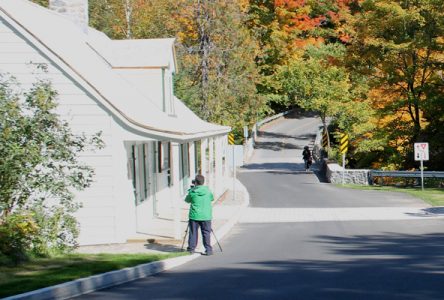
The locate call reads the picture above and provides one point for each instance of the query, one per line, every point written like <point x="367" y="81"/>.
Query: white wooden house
<point x="154" y="143"/>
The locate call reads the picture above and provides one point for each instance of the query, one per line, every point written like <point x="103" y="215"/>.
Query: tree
<point x="399" y="46"/>
<point x="318" y="82"/>
<point x="218" y="63"/>
<point x="39" y="168"/>
<point x="134" y="19"/>
<point x="285" y="27"/>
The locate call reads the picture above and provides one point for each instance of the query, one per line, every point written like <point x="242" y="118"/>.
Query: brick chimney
<point x="76" y="10"/>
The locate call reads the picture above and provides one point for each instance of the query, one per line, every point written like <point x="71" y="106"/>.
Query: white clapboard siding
<point x="90" y="194"/>
<point x="98" y="201"/>
<point x="104" y="120"/>
<point x="103" y="181"/>
<point x="29" y="73"/>
<point x="102" y="220"/>
<point x="68" y="89"/>
<point x="101" y="229"/>
<point x="7" y="36"/>
<point x="71" y="99"/>
<point x="17" y="47"/>
<point x="106" y="211"/>
<point x="89" y="109"/>
<point x="17" y="58"/>
<point x="27" y="69"/>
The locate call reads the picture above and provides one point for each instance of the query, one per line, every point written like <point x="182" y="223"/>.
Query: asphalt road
<point x="338" y="259"/>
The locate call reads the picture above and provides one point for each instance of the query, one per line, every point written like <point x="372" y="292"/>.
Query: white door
<point x="144" y="164"/>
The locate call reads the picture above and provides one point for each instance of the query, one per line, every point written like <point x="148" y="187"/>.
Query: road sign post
<point x="245" y="134"/>
<point x="231" y="142"/>
<point x="421" y="154"/>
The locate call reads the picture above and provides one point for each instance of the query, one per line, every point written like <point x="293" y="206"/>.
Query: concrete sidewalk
<point x="295" y="215"/>
<point x="226" y="213"/>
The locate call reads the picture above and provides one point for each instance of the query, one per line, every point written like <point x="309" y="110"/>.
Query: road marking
<point x="291" y="215"/>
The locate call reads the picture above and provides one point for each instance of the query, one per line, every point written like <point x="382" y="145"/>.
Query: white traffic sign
<point x="421" y="151"/>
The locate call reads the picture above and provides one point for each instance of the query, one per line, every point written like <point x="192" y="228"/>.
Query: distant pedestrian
<point x="308" y="160"/>
<point x="200" y="215"/>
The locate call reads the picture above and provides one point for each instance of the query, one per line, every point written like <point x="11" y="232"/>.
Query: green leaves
<point x="318" y="82"/>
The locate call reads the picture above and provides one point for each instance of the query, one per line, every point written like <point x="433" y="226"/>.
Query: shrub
<point x="16" y="234"/>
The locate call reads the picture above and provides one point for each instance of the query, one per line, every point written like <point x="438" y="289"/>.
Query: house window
<point x="184" y="166"/>
<point x="197" y="157"/>
<point x="164" y="160"/>
<point x="160" y="166"/>
<point x="140" y="172"/>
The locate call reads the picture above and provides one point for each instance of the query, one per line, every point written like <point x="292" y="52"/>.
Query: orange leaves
<point x="295" y="15"/>
<point x="308" y="20"/>
<point x="315" y="41"/>
<point x="289" y="4"/>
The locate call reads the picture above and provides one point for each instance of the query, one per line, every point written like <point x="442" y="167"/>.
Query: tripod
<point x="186" y="232"/>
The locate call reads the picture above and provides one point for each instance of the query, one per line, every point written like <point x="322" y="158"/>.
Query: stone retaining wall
<point x="334" y="173"/>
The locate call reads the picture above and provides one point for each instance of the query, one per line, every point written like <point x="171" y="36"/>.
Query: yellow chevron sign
<point x="231" y="139"/>
<point x="343" y="145"/>
<point x="325" y="139"/>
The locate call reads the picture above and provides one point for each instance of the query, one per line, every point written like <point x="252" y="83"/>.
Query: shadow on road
<point x="301" y="114"/>
<point x="275" y="146"/>
<point x="267" y="134"/>
<point x="392" y="266"/>
<point x="275" y="166"/>
<point x="287" y="169"/>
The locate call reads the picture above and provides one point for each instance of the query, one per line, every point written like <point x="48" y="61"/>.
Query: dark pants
<point x="307" y="163"/>
<point x="205" y="227"/>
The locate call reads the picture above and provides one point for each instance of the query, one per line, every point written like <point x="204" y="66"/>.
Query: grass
<point x="432" y="196"/>
<point x="44" y="272"/>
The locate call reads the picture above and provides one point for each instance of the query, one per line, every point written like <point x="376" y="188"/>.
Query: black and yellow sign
<point x="325" y="139"/>
<point x="343" y="145"/>
<point x="231" y="139"/>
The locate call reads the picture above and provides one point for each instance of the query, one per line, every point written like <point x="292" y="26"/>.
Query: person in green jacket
<point x="200" y="215"/>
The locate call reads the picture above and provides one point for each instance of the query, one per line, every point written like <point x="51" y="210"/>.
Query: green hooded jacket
<point x="200" y="198"/>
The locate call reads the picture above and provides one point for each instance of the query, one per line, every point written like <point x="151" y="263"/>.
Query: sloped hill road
<point x="305" y="239"/>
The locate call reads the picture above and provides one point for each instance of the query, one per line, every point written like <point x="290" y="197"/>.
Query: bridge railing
<point x="404" y="174"/>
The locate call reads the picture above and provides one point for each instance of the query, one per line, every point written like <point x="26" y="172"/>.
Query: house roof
<point x="140" y="53"/>
<point x="83" y="55"/>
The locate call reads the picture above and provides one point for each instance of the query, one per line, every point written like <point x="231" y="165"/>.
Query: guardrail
<point x="405" y="174"/>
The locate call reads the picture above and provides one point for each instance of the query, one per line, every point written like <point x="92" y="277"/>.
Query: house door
<point x="144" y="163"/>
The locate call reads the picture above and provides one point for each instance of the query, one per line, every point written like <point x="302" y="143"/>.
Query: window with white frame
<point x="164" y="160"/>
<point x="184" y="166"/>
<point x="197" y="157"/>
<point x="141" y="172"/>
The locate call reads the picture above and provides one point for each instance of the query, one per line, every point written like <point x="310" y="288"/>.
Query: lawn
<point x="433" y="196"/>
<point x="44" y="272"/>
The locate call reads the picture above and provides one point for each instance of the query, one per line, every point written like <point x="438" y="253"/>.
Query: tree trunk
<point x="203" y="20"/>
<point x="128" y="16"/>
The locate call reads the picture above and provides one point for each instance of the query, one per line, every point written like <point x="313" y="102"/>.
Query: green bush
<point x="17" y="231"/>
<point x="58" y="231"/>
